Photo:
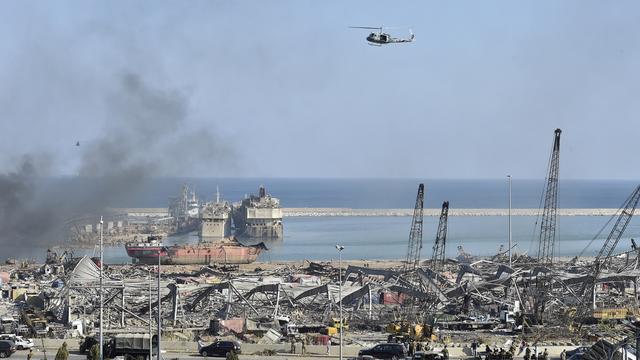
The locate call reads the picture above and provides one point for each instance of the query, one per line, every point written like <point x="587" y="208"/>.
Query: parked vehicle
<point x="427" y="355"/>
<point x="130" y="346"/>
<point x="392" y="351"/>
<point x="579" y="349"/>
<point x="220" y="348"/>
<point x="6" y="348"/>
<point x="87" y="343"/>
<point x="20" y="342"/>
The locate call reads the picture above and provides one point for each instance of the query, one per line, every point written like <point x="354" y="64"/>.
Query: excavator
<point x="405" y="331"/>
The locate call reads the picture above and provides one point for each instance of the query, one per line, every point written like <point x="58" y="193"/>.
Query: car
<point x="576" y="356"/>
<point x="427" y="355"/>
<point x="394" y="351"/>
<point x="6" y="348"/>
<point x="20" y="342"/>
<point x="579" y="349"/>
<point x="87" y="343"/>
<point x="220" y="348"/>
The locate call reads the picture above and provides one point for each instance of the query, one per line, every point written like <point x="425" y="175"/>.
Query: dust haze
<point x="143" y="137"/>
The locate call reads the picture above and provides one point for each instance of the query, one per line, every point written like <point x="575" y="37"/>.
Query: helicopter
<point x="380" y="38"/>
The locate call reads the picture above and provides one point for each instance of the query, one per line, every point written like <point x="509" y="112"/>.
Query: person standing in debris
<point x="527" y="353"/>
<point x="94" y="352"/>
<point x="474" y="348"/>
<point x="545" y="355"/>
<point x="63" y="353"/>
<point x="418" y="346"/>
<point x="30" y="354"/>
<point x="231" y="355"/>
<point x="328" y="346"/>
<point x="412" y="348"/>
<point x="304" y="346"/>
<point x="445" y="353"/>
<point x="563" y="355"/>
<point x="293" y="347"/>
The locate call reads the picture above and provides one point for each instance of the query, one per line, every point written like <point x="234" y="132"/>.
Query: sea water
<point x="315" y="238"/>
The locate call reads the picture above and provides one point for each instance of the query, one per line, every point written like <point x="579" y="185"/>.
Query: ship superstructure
<point x="258" y="216"/>
<point x="185" y="210"/>
<point x="215" y="219"/>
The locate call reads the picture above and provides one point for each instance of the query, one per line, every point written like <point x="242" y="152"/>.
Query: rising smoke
<point x="146" y="136"/>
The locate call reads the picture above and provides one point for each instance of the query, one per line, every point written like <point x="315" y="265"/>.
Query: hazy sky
<point x="287" y="90"/>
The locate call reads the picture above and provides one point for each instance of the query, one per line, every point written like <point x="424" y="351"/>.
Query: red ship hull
<point x="224" y="252"/>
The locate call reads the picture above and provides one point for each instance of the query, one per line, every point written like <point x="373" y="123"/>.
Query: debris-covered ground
<point x="483" y="300"/>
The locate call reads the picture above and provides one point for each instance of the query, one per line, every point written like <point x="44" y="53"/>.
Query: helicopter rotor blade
<point x="366" y="27"/>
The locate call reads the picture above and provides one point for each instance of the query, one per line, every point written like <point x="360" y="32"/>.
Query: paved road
<point x="22" y="355"/>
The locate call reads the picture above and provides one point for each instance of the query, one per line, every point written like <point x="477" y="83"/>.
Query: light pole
<point x="159" y="305"/>
<point x="101" y="296"/>
<point x="509" y="226"/>
<point x="340" y="248"/>
<point x="150" y="318"/>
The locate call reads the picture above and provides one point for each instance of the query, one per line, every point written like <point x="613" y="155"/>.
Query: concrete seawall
<point x="334" y="212"/>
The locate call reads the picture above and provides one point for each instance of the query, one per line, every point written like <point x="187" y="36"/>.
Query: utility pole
<point x="509" y="221"/>
<point x="101" y="295"/>
<point x="340" y="248"/>
<point x="159" y="305"/>
<point x="150" y="318"/>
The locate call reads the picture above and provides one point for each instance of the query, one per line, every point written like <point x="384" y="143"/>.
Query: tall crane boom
<point x="604" y="255"/>
<point x="415" y="234"/>
<point x="438" y="257"/>
<point x="548" y="224"/>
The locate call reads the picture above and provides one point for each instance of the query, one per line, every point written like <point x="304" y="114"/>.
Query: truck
<point x="131" y="346"/>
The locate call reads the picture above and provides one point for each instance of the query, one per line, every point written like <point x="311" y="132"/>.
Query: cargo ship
<point x="185" y="211"/>
<point x="227" y="251"/>
<point x="215" y="219"/>
<point x="146" y="249"/>
<point x="258" y="216"/>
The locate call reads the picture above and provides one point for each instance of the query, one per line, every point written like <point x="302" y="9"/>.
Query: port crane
<point x="415" y="234"/>
<point x="549" y="215"/>
<point x="438" y="258"/>
<point x="605" y="253"/>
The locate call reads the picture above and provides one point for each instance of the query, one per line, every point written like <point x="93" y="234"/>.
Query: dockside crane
<point x="604" y="255"/>
<point x="438" y="258"/>
<point x="549" y="215"/>
<point x="415" y="234"/>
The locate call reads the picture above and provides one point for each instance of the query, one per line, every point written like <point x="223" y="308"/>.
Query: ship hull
<point x="260" y="231"/>
<point x="218" y="228"/>
<point x="145" y="254"/>
<point x="212" y="253"/>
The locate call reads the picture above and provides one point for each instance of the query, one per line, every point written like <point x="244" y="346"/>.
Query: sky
<point x="286" y="89"/>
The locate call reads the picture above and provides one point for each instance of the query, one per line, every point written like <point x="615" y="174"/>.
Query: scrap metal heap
<point x="475" y="295"/>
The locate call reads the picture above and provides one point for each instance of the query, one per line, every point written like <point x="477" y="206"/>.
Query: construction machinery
<point x="405" y="331"/>
<point x="549" y="215"/>
<point x="438" y="258"/>
<point x="415" y="234"/>
<point x="334" y="328"/>
<point x="604" y="255"/>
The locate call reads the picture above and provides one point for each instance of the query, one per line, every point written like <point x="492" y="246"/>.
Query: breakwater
<point x="336" y="212"/>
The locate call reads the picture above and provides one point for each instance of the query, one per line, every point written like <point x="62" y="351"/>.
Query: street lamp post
<point x="340" y="248"/>
<point x="101" y="295"/>
<point x="509" y="226"/>
<point x="159" y="306"/>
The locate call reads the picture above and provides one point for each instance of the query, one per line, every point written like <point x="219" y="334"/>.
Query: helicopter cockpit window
<point x="383" y="37"/>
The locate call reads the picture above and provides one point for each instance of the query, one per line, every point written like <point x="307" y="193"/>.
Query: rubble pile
<point x="470" y="299"/>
